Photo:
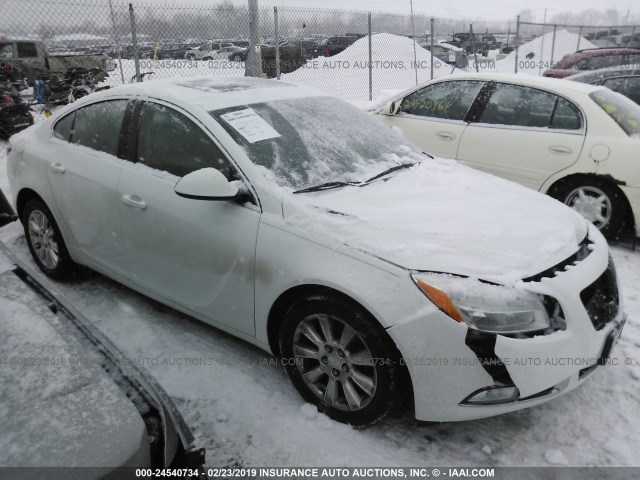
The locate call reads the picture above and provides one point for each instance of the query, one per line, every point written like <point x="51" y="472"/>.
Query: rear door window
<point x="62" y="129"/>
<point x="98" y="126"/>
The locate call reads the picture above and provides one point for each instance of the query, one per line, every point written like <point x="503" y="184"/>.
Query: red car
<point x="593" y="59"/>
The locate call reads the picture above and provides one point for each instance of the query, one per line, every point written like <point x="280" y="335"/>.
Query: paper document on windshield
<point x="250" y="125"/>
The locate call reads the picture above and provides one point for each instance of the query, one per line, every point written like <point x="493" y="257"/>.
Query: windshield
<point x="314" y="140"/>
<point x="623" y="111"/>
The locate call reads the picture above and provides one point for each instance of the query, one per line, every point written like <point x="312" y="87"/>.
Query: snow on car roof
<point x="553" y="84"/>
<point x="211" y="93"/>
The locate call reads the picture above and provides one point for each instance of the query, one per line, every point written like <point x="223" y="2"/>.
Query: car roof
<point x="603" y="73"/>
<point x="571" y="58"/>
<point x="212" y="93"/>
<point x="545" y="83"/>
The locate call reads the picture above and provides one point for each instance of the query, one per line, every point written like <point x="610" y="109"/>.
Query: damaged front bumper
<point x="461" y="374"/>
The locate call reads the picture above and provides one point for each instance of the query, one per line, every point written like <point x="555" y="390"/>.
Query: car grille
<point x="584" y="250"/>
<point x="601" y="298"/>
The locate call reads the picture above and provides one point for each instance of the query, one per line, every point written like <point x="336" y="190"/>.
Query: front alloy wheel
<point x="334" y="362"/>
<point x="340" y="359"/>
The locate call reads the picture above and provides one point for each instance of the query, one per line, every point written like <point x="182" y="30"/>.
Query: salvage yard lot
<point x="245" y="412"/>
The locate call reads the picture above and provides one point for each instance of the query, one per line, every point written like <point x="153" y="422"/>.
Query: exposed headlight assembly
<point x="482" y="306"/>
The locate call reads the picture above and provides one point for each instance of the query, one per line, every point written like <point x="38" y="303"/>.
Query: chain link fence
<point x="542" y="45"/>
<point x="354" y="55"/>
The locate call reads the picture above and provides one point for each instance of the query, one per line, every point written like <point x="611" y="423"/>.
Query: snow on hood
<point x="445" y="217"/>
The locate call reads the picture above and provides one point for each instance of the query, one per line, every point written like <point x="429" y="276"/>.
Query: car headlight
<point x="482" y="306"/>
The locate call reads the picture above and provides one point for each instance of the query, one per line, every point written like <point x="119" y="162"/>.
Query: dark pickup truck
<point x="28" y="59"/>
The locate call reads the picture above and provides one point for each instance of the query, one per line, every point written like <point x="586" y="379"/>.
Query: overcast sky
<point x="485" y="9"/>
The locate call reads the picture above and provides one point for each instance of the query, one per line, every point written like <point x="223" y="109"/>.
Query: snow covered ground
<point x="246" y="413"/>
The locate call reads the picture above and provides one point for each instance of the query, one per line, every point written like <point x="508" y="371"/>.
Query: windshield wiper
<point x="327" y="186"/>
<point x="391" y="170"/>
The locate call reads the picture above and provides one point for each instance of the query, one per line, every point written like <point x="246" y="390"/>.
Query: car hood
<point x="442" y="216"/>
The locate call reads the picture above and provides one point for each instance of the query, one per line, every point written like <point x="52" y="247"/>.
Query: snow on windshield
<point x="320" y="140"/>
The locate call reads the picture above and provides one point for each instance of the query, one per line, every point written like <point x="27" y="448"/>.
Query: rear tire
<point x="340" y="359"/>
<point x="45" y="241"/>
<point x="598" y="201"/>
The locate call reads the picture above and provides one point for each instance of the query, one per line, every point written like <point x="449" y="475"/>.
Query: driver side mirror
<point x="391" y="108"/>
<point x="207" y="184"/>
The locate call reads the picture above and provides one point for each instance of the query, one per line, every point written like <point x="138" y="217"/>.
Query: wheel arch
<point x="609" y="179"/>
<point x="287" y="299"/>
<point x="24" y="196"/>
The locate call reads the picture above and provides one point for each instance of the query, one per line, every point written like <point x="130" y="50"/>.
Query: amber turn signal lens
<point x="441" y="299"/>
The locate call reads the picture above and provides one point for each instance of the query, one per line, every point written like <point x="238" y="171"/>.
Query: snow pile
<point x="346" y="75"/>
<point x="566" y="42"/>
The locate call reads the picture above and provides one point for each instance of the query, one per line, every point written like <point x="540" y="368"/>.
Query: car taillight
<point x="8" y="100"/>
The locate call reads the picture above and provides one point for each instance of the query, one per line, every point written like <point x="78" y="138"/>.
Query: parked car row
<point x="569" y="140"/>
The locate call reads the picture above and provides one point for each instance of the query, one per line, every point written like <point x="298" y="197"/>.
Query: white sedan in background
<point x="305" y="226"/>
<point x="578" y="143"/>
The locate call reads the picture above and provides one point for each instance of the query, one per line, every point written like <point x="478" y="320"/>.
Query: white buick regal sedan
<point x="300" y="224"/>
<point x="578" y="143"/>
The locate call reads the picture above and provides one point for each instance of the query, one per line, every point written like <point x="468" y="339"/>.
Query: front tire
<point x="340" y="359"/>
<point x="598" y="201"/>
<point x="45" y="241"/>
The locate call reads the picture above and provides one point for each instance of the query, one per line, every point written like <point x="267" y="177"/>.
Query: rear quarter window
<point x="622" y="110"/>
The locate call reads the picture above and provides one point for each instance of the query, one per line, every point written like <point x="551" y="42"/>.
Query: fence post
<point x="517" y="41"/>
<point x="413" y="37"/>
<point x="117" y="39"/>
<point x="370" y="60"/>
<point x="251" y="67"/>
<point x="508" y="34"/>
<point x="608" y="37"/>
<point x="431" y="48"/>
<point x="579" y="38"/>
<point x="473" y="45"/>
<point x="134" y="41"/>
<point x="633" y="32"/>
<point x="553" y="44"/>
<point x="275" y="20"/>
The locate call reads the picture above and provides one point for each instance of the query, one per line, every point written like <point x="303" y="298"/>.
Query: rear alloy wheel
<point x="338" y="360"/>
<point x="237" y="58"/>
<point x="45" y="241"/>
<point x="597" y="201"/>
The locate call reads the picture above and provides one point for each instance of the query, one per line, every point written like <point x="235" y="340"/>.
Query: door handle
<point x="448" y="136"/>
<point x="134" y="201"/>
<point x="560" y="150"/>
<point x="57" y="167"/>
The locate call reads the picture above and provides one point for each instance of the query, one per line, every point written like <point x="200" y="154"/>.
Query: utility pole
<point x="251" y="67"/>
